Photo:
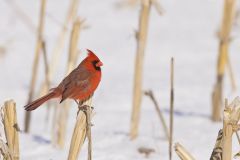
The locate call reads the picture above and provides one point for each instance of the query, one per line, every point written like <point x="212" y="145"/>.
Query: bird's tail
<point x="35" y="104"/>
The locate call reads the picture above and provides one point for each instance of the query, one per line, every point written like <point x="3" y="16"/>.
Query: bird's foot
<point x="82" y="108"/>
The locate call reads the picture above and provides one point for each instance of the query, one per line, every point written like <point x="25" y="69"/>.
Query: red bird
<point x="79" y="85"/>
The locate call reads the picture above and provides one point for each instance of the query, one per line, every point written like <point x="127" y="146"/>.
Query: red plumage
<point x="79" y="85"/>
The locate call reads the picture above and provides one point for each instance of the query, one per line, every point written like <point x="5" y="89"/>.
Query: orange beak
<point x="99" y="64"/>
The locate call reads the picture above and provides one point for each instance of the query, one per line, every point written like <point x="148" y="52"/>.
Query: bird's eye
<point x="97" y="64"/>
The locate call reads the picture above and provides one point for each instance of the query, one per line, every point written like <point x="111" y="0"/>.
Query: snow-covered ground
<point x="186" y="31"/>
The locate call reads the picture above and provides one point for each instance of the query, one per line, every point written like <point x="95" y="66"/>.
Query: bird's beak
<point x="99" y="64"/>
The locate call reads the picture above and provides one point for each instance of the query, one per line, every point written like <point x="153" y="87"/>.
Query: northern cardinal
<point x="79" y="85"/>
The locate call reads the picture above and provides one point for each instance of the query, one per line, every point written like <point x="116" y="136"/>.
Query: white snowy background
<point x="186" y="31"/>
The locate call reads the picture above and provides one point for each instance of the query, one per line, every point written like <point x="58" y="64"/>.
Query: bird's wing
<point x="75" y="82"/>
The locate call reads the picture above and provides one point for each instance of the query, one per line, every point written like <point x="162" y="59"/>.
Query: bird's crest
<point x="91" y="54"/>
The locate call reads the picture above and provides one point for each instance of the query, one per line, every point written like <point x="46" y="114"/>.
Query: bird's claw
<point x="84" y="108"/>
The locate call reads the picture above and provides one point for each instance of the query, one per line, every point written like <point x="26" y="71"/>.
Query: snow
<point x="187" y="31"/>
